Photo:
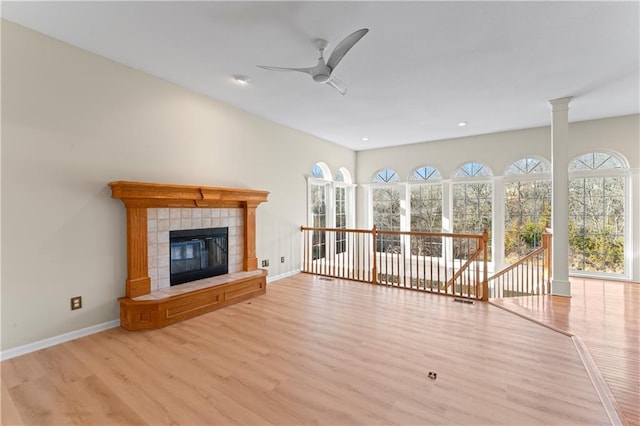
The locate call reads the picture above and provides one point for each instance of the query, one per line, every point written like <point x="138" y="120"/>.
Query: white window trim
<point x="628" y="221"/>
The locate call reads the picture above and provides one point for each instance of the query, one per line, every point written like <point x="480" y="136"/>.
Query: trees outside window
<point x="527" y="206"/>
<point x="330" y="205"/>
<point x="597" y="188"/>
<point x="426" y="200"/>
<point x="472" y="200"/>
<point x="341" y="210"/>
<point x="385" y="195"/>
<point x="318" y="196"/>
<point x="426" y="210"/>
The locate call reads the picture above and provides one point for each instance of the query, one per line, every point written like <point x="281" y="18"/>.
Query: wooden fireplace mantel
<point x="141" y="194"/>
<point x="137" y="197"/>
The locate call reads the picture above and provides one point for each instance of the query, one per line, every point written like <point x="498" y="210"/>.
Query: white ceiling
<point x="422" y="68"/>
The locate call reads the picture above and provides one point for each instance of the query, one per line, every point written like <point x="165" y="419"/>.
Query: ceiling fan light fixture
<point x="241" y="79"/>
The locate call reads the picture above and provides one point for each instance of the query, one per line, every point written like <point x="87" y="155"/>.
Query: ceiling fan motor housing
<point x="321" y="78"/>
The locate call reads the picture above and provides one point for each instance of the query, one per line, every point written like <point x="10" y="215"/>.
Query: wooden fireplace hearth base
<point x="167" y="306"/>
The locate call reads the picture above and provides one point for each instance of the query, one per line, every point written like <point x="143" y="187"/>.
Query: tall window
<point x="472" y="199"/>
<point x="597" y="213"/>
<point x="318" y="202"/>
<point x="342" y="177"/>
<point x="386" y="201"/>
<point x="426" y="200"/>
<point x="386" y="208"/>
<point x="527" y="205"/>
<point x="426" y="210"/>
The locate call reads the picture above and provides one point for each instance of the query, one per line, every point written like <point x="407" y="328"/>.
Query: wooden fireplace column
<point x="138" y="281"/>
<point x="137" y="197"/>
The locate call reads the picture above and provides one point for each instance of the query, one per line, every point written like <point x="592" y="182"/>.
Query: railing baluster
<point x="400" y="259"/>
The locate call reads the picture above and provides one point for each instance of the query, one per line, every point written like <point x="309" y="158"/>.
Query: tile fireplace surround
<point x="161" y="221"/>
<point x="155" y="209"/>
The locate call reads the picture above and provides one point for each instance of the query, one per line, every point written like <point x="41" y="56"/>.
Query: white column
<point x="405" y="206"/>
<point x="498" y="224"/>
<point x="560" y="285"/>
<point x="447" y="216"/>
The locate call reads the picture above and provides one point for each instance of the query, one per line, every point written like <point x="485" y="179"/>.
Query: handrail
<point x="378" y="231"/>
<point x="530" y="275"/>
<point x="520" y="262"/>
<point x="463" y="267"/>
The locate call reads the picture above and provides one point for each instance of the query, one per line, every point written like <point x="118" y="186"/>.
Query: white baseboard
<point x="56" y="340"/>
<point x="281" y="276"/>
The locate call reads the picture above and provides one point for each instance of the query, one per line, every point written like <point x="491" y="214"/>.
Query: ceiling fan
<point x="321" y="73"/>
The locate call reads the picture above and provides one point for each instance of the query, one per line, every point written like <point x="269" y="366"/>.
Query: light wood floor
<point x="606" y="315"/>
<point x="312" y="351"/>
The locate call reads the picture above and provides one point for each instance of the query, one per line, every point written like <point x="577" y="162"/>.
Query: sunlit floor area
<point x="313" y="351"/>
<point x="606" y="315"/>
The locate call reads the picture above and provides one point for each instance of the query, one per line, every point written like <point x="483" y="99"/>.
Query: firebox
<point x="197" y="254"/>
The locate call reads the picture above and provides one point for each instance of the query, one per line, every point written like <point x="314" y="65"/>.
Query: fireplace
<point x="198" y="253"/>
<point x="153" y="210"/>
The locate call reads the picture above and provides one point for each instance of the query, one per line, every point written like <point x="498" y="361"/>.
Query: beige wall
<point x="72" y="122"/>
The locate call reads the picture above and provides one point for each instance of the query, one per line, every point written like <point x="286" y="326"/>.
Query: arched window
<point x="597" y="188"/>
<point x="343" y="175"/>
<point x="330" y="205"/>
<point x="472" y="199"/>
<point x="426" y="200"/>
<point x="385" y="176"/>
<point x="321" y="171"/>
<point x="527" y="206"/>
<point x="471" y="170"/>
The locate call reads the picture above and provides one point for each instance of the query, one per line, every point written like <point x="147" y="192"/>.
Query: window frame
<point x="522" y="177"/>
<point x="625" y="173"/>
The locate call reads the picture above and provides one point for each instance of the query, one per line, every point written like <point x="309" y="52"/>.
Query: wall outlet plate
<point x="282" y="259"/>
<point x="76" y="303"/>
<point x="265" y="263"/>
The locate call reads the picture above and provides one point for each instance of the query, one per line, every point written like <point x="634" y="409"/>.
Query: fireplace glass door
<point x="198" y="253"/>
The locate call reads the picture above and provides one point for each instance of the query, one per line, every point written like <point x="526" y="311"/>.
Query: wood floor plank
<point x="313" y="352"/>
<point x="606" y="315"/>
<point x="9" y="414"/>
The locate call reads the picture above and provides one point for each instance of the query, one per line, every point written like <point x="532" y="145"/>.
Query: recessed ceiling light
<point x="365" y="139"/>
<point x="462" y="124"/>
<point x="241" y="79"/>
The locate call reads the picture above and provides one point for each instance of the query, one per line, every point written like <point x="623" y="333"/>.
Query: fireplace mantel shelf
<point x="150" y="195"/>
<point x="137" y="198"/>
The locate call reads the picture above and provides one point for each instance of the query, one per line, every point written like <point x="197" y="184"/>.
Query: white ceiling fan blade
<point x="344" y="46"/>
<point x="338" y="85"/>
<point x="304" y="70"/>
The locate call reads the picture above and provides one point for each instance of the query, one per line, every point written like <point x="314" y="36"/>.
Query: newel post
<point x="374" y="234"/>
<point x="485" y="272"/>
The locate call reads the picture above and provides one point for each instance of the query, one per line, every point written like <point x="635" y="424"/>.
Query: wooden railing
<point x="443" y="263"/>
<point x="529" y="276"/>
